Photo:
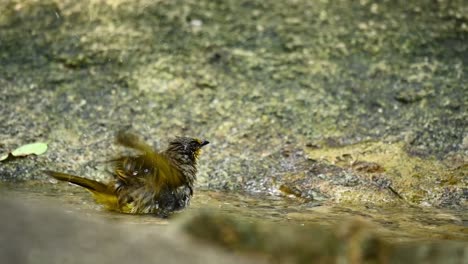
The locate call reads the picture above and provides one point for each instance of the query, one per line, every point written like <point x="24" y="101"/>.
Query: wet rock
<point x="35" y="233"/>
<point x="251" y="78"/>
<point x="372" y="167"/>
<point x="351" y="241"/>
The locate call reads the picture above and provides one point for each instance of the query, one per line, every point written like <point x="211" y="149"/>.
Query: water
<point x="394" y="223"/>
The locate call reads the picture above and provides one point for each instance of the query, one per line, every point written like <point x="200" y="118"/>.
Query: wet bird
<point x="151" y="182"/>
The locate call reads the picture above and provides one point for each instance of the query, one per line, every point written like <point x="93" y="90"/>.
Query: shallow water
<point x="394" y="223"/>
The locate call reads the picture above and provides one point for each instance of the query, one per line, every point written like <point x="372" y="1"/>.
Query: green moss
<point x="377" y="164"/>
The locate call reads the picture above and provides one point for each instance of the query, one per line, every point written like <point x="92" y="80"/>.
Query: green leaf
<point x="37" y="148"/>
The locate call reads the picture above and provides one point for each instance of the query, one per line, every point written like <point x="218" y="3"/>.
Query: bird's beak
<point x="204" y="142"/>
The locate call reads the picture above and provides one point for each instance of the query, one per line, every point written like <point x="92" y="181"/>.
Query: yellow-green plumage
<point x="102" y="193"/>
<point x="152" y="182"/>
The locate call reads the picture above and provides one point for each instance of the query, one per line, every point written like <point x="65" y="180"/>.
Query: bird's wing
<point x="163" y="172"/>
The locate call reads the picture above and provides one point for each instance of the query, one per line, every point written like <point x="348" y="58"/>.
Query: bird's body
<point x="150" y="183"/>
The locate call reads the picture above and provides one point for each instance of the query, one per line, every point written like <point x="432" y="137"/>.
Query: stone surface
<point x="35" y="233"/>
<point x="261" y="81"/>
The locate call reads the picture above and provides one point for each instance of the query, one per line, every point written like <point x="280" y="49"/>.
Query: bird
<point x="150" y="182"/>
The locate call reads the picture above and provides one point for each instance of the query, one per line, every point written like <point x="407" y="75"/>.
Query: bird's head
<point x="186" y="148"/>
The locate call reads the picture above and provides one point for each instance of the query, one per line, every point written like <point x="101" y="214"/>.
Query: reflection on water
<point x="403" y="223"/>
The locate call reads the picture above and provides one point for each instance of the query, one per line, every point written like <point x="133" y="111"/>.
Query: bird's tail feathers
<point x="91" y="185"/>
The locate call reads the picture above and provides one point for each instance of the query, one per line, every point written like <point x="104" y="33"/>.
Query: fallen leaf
<point x="4" y="156"/>
<point x="37" y="148"/>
